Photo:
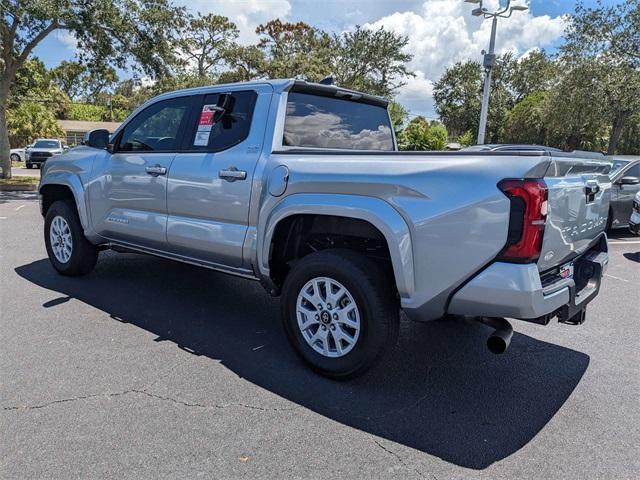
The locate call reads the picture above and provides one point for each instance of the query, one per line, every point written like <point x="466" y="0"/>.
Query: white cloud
<point x="444" y="32"/>
<point x="67" y="39"/>
<point x="246" y="14"/>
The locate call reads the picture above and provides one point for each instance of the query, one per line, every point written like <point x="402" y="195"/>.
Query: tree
<point x="526" y="122"/>
<point x="609" y="36"/>
<point x="457" y="95"/>
<point x="80" y="82"/>
<point x="371" y="61"/>
<point x="536" y="72"/>
<point x="206" y="40"/>
<point x="246" y="64"/>
<point x="422" y="135"/>
<point x="34" y="83"/>
<point x="575" y="113"/>
<point x="29" y="121"/>
<point x="108" y="32"/>
<point x="398" y="115"/>
<point x="292" y="49"/>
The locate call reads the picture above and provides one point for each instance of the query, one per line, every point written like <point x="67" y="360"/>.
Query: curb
<point x="27" y="187"/>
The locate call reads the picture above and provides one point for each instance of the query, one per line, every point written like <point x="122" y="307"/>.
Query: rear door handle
<point x="232" y="174"/>
<point x="156" y="170"/>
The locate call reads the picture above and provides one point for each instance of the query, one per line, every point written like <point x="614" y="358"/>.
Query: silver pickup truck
<point x="300" y="187"/>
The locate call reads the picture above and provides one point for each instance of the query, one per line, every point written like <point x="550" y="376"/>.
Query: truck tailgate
<point x="578" y="205"/>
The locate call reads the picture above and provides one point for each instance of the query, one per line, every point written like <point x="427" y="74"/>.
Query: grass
<point x="19" y="181"/>
<point x="18" y="164"/>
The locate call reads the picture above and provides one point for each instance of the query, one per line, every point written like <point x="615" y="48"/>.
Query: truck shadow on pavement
<point x="439" y="391"/>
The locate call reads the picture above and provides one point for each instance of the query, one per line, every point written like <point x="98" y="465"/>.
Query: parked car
<point x="634" y="222"/>
<point x="508" y="147"/>
<point x="18" y="154"/>
<point x="625" y="176"/>
<point x="299" y="186"/>
<point x="42" y="149"/>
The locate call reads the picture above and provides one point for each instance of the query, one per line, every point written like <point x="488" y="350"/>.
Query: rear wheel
<point x="15" y="157"/>
<point x="69" y="251"/>
<point x="339" y="312"/>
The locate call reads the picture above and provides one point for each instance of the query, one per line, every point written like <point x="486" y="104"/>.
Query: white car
<point x="19" y="154"/>
<point x="634" y="222"/>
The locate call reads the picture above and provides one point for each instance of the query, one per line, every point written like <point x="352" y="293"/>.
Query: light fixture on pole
<point x="489" y="57"/>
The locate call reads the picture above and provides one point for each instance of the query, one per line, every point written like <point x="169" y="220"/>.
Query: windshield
<point x="616" y="165"/>
<point x="326" y="122"/>
<point x="46" y="144"/>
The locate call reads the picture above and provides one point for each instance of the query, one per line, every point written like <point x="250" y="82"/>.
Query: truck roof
<point x="287" y="84"/>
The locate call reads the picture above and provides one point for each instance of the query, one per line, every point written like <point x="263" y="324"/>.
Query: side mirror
<point x="97" y="138"/>
<point x="629" y="181"/>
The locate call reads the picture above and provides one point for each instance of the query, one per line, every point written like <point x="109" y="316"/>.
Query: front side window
<point x="156" y="128"/>
<point x="327" y="122"/>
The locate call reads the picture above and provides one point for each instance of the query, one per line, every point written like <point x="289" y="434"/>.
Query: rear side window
<point x="156" y="128"/>
<point x="214" y="133"/>
<point x="326" y="122"/>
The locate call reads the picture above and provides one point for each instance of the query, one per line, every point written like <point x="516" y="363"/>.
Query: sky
<point x="441" y="32"/>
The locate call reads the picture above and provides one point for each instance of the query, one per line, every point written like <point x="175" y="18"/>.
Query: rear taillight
<point x="527" y="219"/>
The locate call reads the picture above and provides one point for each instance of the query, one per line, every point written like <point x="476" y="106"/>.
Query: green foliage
<point x="467" y="138"/>
<point x="206" y="41"/>
<point x="29" y="121"/>
<point x="371" y="61"/>
<point x="82" y="83"/>
<point x="34" y="83"/>
<point x="605" y="41"/>
<point x="422" y="135"/>
<point x="398" y="115"/>
<point x="457" y="95"/>
<point x="292" y="49"/>
<point x="526" y="122"/>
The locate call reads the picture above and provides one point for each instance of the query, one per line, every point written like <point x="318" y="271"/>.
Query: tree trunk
<point x="618" y="125"/>
<point x="5" y="157"/>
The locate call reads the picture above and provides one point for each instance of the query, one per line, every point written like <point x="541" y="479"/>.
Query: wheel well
<point x="53" y="193"/>
<point x="299" y="235"/>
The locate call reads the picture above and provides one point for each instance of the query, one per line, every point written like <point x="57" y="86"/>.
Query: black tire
<point x="15" y="157"/>
<point x="29" y="166"/>
<point x="84" y="255"/>
<point x="374" y="296"/>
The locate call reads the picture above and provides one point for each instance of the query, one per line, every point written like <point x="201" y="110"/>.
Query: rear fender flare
<point x="373" y="210"/>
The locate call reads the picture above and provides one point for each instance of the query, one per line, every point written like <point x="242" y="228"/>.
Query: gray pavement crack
<point x="151" y="395"/>
<point x="401" y="460"/>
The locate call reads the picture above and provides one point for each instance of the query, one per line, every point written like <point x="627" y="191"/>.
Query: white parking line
<point x="21" y="206"/>
<point x="630" y="242"/>
<point x="616" y="278"/>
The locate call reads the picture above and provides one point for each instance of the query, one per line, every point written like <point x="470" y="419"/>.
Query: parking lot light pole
<point x="489" y="58"/>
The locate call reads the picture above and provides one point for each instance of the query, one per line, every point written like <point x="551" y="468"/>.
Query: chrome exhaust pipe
<point x="499" y="340"/>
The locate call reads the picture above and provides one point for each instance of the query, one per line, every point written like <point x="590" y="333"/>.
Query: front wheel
<point x="15" y="158"/>
<point x="29" y="166"/>
<point x="69" y="251"/>
<point x="339" y="312"/>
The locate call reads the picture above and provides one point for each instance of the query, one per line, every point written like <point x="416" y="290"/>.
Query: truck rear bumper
<point x="516" y="291"/>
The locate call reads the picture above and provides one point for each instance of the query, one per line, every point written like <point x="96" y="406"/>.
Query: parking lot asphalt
<point x="151" y="369"/>
<point x="25" y="172"/>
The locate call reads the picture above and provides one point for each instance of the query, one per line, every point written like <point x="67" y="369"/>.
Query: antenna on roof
<point x="328" y="80"/>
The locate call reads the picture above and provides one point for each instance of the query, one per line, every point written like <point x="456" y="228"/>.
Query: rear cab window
<point x="319" y="121"/>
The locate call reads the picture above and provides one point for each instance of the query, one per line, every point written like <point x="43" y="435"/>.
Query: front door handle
<point x="156" y="170"/>
<point x="232" y="174"/>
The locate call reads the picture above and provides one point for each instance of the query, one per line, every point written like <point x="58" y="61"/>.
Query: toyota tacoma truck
<point x="300" y="186"/>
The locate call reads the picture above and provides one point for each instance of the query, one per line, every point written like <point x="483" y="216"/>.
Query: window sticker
<point x="204" y="125"/>
<point x="201" y="139"/>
